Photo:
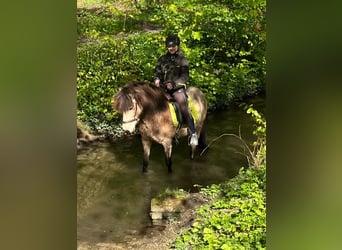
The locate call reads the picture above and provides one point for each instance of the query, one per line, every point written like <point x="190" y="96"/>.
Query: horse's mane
<point x="148" y="96"/>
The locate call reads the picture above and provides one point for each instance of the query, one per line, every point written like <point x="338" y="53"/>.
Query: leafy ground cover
<point x="235" y="220"/>
<point x="120" y="41"/>
<point x="236" y="216"/>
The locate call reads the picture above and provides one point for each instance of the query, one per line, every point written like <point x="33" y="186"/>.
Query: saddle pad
<point x="193" y="111"/>
<point x="173" y="115"/>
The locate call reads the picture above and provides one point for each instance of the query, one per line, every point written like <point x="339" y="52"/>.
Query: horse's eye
<point x="131" y="107"/>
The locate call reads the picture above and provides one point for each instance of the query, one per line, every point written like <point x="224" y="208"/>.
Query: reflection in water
<point x="113" y="196"/>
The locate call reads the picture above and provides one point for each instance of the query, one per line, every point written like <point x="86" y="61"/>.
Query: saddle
<point x="176" y="113"/>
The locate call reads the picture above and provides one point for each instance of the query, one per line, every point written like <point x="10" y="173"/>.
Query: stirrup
<point x="193" y="140"/>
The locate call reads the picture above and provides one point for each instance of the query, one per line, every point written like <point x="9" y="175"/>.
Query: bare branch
<point x="234" y="135"/>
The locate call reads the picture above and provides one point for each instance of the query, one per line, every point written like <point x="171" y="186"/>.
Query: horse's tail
<point x="198" y="103"/>
<point x="198" y="107"/>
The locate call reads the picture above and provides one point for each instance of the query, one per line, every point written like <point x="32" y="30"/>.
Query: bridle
<point x="131" y="120"/>
<point x="134" y="118"/>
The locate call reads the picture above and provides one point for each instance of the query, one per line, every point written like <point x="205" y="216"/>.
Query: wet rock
<point x="84" y="136"/>
<point x="172" y="207"/>
<point x="166" y="208"/>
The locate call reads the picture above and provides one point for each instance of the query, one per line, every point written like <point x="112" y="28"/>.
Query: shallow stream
<point x="113" y="196"/>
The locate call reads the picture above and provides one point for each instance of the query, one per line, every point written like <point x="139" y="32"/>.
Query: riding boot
<point x="193" y="140"/>
<point x="181" y="98"/>
<point x="191" y="124"/>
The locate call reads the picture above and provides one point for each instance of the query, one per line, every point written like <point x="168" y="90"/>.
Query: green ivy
<point x="235" y="220"/>
<point x="236" y="217"/>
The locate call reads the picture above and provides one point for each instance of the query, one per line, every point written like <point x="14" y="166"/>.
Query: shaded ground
<point x="154" y="237"/>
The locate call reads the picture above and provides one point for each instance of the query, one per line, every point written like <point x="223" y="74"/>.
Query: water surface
<point x="114" y="196"/>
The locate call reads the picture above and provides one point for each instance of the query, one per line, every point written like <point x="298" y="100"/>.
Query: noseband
<point x="131" y="120"/>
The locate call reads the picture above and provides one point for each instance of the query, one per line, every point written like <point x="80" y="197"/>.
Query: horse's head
<point x="125" y="102"/>
<point x="130" y="117"/>
<point x="139" y="100"/>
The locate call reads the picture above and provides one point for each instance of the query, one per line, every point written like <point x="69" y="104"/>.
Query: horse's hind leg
<point x="202" y="140"/>
<point x="147" y="149"/>
<point x="168" y="152"/>
<point x="192" y="151"/>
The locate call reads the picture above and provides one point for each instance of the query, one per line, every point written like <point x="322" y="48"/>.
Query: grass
<point x="89" y="3"/>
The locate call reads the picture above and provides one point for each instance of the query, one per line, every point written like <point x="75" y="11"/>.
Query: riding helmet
<point x="172" y="40"/>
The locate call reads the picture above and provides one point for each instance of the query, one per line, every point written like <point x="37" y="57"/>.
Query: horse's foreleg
<point x="147" y="149"/>
<point x="168" y="152"/>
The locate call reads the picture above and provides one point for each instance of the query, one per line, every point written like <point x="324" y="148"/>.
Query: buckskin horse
<point x="145" y="106"/>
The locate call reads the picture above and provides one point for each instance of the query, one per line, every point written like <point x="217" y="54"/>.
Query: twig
<point x="234" y="135"/>
<point x="214" y="141"/>
<point x="251" y="155"/>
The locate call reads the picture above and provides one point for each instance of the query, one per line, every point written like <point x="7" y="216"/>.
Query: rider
<point x="172" y="73"/>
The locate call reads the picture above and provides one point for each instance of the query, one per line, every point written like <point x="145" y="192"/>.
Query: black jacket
<point x="172" y="68"/>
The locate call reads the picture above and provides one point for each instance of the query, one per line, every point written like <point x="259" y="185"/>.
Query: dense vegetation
<point x="225" y="42"/>
<point x="236" y="220"/>
<point x="117" y="43"/>
<point x="236" y="217"/>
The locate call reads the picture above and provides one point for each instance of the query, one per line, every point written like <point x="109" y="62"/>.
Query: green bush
<point x="236" y="220"/>
<point x="103" y="68"/>
<point x="106" y="20"/>
<point x="223" y="40"/>
<point x="236" y="217"/>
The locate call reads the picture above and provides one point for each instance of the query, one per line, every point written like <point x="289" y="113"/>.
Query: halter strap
<point x="131" y="120"/>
